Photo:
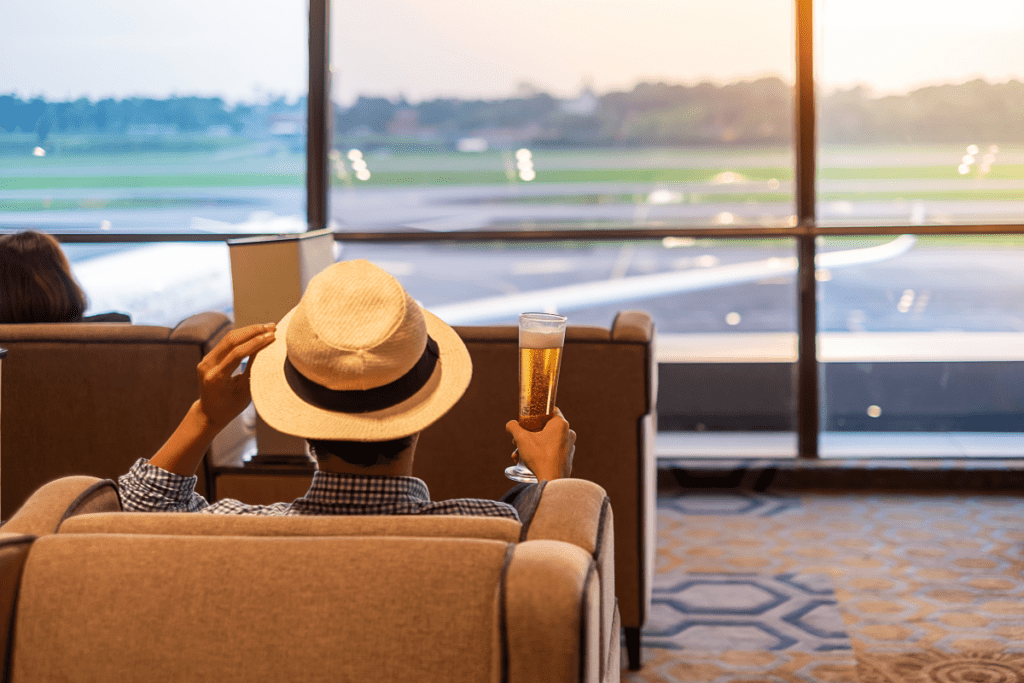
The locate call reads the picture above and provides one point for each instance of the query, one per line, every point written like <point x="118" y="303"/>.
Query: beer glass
<point x="541" y="337"/>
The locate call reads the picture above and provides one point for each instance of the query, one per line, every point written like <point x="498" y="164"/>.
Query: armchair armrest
<point x="634" y="326"/>
<point x="59" y="499"/>
<point x="207" y="328"/>
<point x="13" y="552"/>
<point x="579" y="512"/>
<point x="552" y="622"/>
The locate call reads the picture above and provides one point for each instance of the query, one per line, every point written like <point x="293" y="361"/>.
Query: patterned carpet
<point x="836" y="587"/>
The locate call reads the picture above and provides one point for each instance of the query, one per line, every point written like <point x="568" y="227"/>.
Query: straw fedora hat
<point x="358" y="360"/>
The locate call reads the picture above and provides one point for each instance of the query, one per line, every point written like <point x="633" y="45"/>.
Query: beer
<point x="540" y="357"/>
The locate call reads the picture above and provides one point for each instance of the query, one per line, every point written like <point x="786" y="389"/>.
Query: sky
<point x="421" y="49"/>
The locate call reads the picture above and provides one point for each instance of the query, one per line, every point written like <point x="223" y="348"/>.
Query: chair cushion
<point x="197" y="524"/>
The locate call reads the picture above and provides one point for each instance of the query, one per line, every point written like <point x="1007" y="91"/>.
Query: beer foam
<point x="533" y="339"/>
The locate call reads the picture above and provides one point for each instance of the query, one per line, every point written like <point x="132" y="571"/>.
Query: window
<point x="512" y="154"/>
<point x="921" y="125"/>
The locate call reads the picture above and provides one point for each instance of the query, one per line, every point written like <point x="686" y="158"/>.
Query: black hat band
<point x="365" y="400"/>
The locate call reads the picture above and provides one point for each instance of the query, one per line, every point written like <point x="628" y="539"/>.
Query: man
<point x="358" y="369"/>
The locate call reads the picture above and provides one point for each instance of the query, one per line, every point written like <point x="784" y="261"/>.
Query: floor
<point x="856" y="574"/>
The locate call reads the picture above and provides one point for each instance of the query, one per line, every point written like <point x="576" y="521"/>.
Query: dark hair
<point x="360" y="453"/>
<point x="36" y="284"/>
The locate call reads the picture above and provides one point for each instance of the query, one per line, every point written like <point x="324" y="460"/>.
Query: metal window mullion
<point x="318" y="116"/>
<point x="807" y="393"/>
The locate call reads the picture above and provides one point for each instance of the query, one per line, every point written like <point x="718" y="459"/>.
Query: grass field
<point x="142" y="174"/>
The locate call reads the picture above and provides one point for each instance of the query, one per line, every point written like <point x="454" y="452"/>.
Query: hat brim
<point x="285" y="411"/>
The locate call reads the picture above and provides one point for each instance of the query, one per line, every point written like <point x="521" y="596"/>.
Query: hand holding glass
<point x="541" y="338"/>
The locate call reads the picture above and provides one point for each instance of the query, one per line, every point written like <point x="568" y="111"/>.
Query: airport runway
<point x="480" y="207"/>
<point x="930" y="288"/>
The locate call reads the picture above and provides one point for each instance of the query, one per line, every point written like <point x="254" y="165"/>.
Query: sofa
<point x="91" y="593"/>
<point x="91" y="398"/>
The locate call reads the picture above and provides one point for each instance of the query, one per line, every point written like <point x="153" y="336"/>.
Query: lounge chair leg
<point x="633" y="648"/>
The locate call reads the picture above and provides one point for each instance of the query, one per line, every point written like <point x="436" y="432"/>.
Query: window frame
<point x="804" y="232"/>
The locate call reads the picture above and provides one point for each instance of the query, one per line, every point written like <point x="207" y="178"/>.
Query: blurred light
<point x="967" y="159"/>
<point x="359" y="165"/>
<point x="363" y="174"/>
<point x="105" y="225"/>
<point x="725" y="218"/>
<point x="906" y="301"/>
<point x="524" y="164"/>
<point x="39" y="152"/>
<point x="842" y="206"/>
<point x="706" y="261"/>
<point x="334" y="155"/>
<point x="663" y="196"/>
<point x="874" y="411"/>
<point x="524" y="154"/>
<point x="823" y="275"/>
<point x="673" y="242"/>
<point x="527" y="174"/>
<point x="963" y="169"/>
<point x="773" y="184"/>
<point x="354" y="154"/>
<point x="471" y="145"/>
<point x="732" y="318"/>
<point x="727" y="177"/>
<point x="972" y="149"/>
<point x="917" y="213"/>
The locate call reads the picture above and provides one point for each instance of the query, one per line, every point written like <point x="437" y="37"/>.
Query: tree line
<point x="756" y="112"/>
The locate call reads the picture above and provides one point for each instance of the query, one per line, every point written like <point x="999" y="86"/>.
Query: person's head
<point x="358" y="361"/>
<point x="36" y="284"/>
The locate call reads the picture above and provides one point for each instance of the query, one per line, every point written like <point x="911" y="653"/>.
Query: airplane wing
<point x="573" y="297"/>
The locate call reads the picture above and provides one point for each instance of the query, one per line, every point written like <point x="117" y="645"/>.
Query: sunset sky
<point x="241" y="49"/>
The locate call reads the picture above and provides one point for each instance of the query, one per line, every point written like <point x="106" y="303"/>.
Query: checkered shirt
<point x="147" y="488"/>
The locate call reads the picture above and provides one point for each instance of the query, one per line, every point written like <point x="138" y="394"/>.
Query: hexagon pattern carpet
<point x="834" y="587"/>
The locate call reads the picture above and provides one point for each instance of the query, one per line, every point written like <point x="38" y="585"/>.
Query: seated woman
<point x="38" y="285"/>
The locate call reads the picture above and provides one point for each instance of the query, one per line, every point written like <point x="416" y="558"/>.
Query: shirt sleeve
<point x="525" y="498"/>
<point x="147" y="488"/>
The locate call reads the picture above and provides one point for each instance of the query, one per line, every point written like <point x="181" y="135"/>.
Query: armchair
<point x="100" y="594"/>
<point x="607" y="389"/>
<point x="91" y="398"/>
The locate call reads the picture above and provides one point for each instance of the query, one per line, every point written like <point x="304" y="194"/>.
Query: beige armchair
<point x="91" y="398"/>
<point x="607" y="391"/>
<point x="98" y="594"/>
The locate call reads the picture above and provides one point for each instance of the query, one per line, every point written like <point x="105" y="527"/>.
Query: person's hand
<point x="548" y="453"/>
<point x="222" y="393"/>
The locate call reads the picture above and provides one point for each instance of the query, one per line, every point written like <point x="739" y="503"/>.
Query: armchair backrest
<point x="248" y="609"/>
<point x="91" y="398"/>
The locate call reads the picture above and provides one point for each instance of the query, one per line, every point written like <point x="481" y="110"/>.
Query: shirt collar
<point x="332" y="487"/>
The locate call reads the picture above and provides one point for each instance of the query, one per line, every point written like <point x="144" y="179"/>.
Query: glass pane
<point x="541" y="115"/>
<point x="922" y="346"/>
<point x="921" y="111"/>
<point x="118" y="115"/>
<point x="155" y="284"/>
<point x="724" y="312"/>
